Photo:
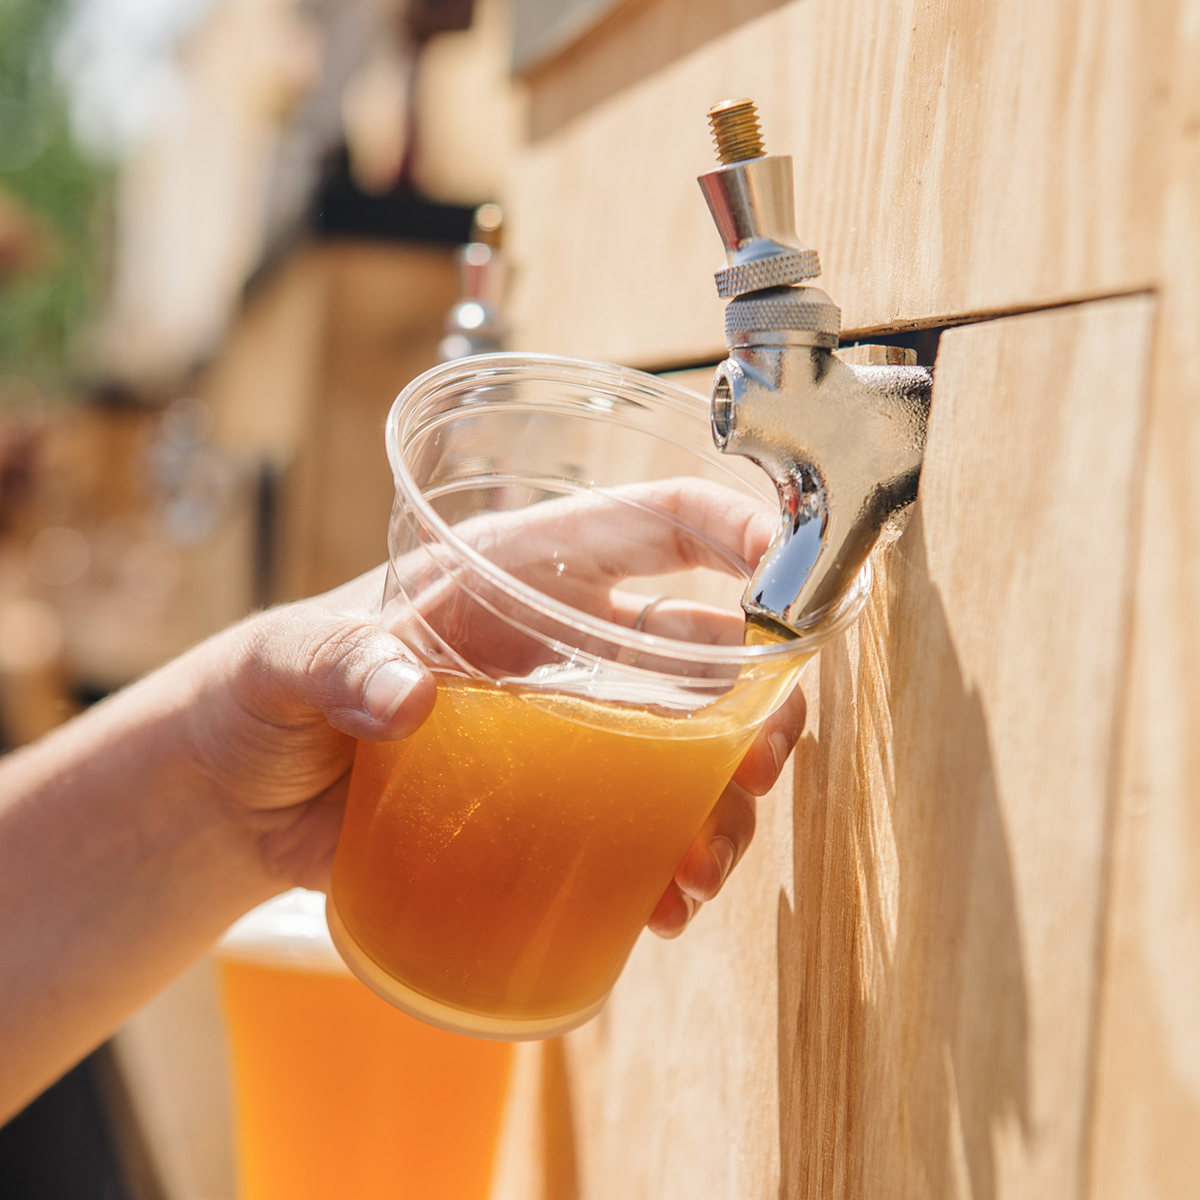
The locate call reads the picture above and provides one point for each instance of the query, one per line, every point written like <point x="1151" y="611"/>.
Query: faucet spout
<point x="843" y="444"/>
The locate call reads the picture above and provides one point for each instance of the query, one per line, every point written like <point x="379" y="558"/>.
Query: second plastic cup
<point x="339" y="1095"/>
<point x="567" y="553"/>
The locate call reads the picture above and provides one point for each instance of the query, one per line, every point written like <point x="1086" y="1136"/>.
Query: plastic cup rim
<point x="588" y="372"/>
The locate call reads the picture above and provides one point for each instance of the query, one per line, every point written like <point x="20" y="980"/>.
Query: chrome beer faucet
<point x="842" y="443"/>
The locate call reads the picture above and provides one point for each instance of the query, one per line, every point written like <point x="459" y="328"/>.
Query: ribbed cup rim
<point x="628" y="384"/>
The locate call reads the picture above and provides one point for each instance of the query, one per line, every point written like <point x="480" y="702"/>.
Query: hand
<point x="132" y="835"/>
<point x="580" y="551"/>
<point x="287" y="694"/>
<point x="317" y="674"/>
<point x="724" y="837"/>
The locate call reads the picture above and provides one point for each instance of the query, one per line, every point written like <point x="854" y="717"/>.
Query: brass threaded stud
<point x="735" y="129"/>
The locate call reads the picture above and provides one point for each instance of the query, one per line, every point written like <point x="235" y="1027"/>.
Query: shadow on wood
<point x="903" y="1010"/>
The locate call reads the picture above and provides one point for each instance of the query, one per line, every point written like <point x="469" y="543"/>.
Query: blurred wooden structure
<point x="304" y="385"/>
<point x="962" y="957"/>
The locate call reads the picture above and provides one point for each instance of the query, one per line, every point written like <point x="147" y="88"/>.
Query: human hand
<point x="131" y="836"/>
<point x="285" y="697"/>
<point x="581" y="552"/>
<point x="726" y="834"/>
<point x="311" y="677"/>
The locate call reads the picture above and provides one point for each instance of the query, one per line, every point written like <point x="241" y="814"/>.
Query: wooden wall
<point x="963" y="956"/>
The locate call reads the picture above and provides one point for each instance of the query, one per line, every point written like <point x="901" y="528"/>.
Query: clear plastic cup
<point x="567" y="553"/>
<point x="338" y="1094"/>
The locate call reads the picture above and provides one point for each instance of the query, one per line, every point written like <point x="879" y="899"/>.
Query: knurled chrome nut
<point x="777" y="270"/>
<point x="807" y="309"/>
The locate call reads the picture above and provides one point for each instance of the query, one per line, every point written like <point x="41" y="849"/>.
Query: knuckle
<point x="254" y="644"/>
<point x="325" y="654"/>
<point x="737" y="816"/>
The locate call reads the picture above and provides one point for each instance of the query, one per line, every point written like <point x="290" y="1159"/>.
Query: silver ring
<point x="647" y="609"/>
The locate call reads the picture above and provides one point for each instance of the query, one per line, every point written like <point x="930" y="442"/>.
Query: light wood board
<point x="1146" y="1136"/>
<point x="948" y="941"/>
<point x="897" y="994"/>
<point x="386" y="308"/>
<point x="951" y="159"/>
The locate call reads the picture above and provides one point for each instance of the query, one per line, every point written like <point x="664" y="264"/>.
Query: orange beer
<point x="495" y="869"/>
<point x="503" y="860"/>
<point x="339" y="1094"/>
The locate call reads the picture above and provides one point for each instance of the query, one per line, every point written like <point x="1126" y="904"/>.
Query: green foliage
<point x="41" y="165"/>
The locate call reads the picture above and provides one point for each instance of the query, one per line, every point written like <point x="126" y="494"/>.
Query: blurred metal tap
<point x="842" y="443"/>
<point x="475" y="325"/>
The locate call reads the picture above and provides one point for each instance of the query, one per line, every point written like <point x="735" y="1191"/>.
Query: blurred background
<point x="230" y="232"/>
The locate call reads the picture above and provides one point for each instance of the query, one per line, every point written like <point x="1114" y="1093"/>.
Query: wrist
<point x="118" y="867"/>
<point x="204" y="766"/>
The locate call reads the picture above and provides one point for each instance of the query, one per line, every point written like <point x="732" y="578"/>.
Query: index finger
<point x="609" y="534"/>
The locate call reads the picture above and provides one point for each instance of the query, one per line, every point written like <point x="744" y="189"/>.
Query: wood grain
<point x="386" y="308"/>
<point x="952" y="158"/>
<point x="896" y="994"/>
<point x="1146" y="1136"/>
<point x="263" y="385"/>
<point x="994" y="996"/>
<point x="952" y="809"/>
<point x="955" y="804"/>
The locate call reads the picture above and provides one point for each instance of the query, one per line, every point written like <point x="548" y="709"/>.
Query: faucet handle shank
<point x="753" y="207"/>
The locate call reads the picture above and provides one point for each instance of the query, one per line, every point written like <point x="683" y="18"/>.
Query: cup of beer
<point x="338" y="1094"/>
<point x="567" y="554"/>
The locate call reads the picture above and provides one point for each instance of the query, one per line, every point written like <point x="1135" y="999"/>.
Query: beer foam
<point x="288" y="932"/>
<point x="594" y="683"/>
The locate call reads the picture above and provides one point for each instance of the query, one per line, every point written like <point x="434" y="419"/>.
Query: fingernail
<point x="387" y="688"/>
<point x="692" y="904"/>
<point x="722" y="849"/>
<point x="780" y="749"/>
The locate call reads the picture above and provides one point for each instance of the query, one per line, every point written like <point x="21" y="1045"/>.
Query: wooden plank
<point x="948" y="905"/>
<point x="1146" y="1132"/>
<point x="262" y="387"/>
<point x="896" y="994"/>
<point x="305" y="385"/>
<point x="949" y="902"/>
<point x="673" y="1088"/>
<point x="639" y="38"/>
<point x="952" y="158"/>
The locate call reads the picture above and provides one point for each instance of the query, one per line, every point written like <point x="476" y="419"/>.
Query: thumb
<point x="364" y="681"/>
